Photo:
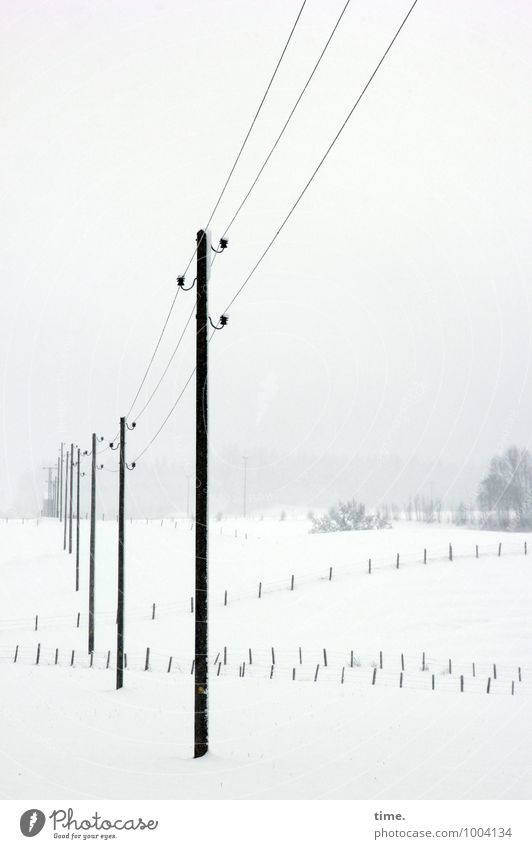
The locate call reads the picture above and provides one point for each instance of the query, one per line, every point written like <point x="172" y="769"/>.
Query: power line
<point x="296" y="104"/>
<point x="246" y="137"/>
<point x="322" y="160"/>
<point x="169" y="363"/>
<point x="220" y="196"/>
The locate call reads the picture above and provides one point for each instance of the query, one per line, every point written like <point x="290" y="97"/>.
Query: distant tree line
<point x="505" y="494"/>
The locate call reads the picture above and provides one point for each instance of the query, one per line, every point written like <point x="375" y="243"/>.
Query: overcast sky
<point x="393" y="314"/>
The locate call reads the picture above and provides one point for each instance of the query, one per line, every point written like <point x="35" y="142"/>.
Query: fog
<point x="383" y="346"/>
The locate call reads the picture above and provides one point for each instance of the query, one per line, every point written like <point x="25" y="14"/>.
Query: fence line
<point x="291" y="583"/>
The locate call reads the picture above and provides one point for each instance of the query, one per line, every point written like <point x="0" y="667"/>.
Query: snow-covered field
<point x="274" y="733"/>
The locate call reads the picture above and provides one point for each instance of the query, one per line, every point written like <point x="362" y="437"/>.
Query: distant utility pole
<point x="61" y="486"/>
<point x="201" y="716"/>
<point x="48" y="507"/>
<point x="245" y="459"/>
<point x="77" y="520"/>
<point x="65" y="504"/>
<point x="92" y="564"/>
<point x="71" y="492"/>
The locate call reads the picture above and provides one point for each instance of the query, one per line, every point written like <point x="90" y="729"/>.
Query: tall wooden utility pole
<point x="77" y="520"/>
<point x="120" y="604"/>
<point x="201" y="665"/>
<point x="92" y="545"/>
<point x="61" y="486"/>
<point x="65" y="502"/>
<point x="71" y="494"/>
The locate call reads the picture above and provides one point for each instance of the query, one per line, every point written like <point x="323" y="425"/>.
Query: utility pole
<point x="61" y="486"/>
<point x="65" y="514"/>
<point x="201" y="716"/>
<point x="245" y="459"/>
<point x="92" y="545"/>
<point x="121" y="551"/>
<point x="77" y="521"/>
<point x="71" y="493"/>
<point x="120" y="606"/>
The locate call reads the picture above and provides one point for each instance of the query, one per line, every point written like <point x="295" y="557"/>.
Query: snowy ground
<point x="280" y="734"/>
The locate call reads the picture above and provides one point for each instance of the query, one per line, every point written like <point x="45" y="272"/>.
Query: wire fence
<point x="293" y="582"/>
<point x="410" y="672"/>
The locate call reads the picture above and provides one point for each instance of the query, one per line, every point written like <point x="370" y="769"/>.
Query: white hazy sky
<point x="393" y="314"/>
